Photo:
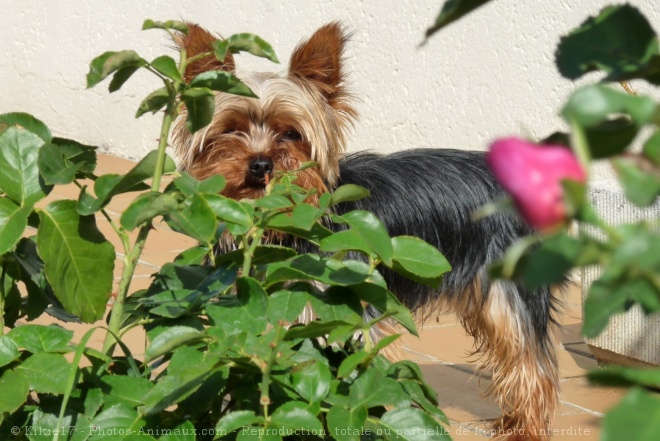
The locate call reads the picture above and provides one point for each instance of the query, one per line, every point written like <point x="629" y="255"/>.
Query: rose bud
<point x="532" y="175"/>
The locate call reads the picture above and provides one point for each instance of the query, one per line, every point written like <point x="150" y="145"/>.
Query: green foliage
<point x="224" y="351"/>
<point x="604" y="121"/>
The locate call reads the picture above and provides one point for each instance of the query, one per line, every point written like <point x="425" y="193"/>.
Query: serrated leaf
<point x="372" y="389"/>
<point x="61" y="161"/>
<point x="229" y="210"/>
<point x="108" y="186"/>
<point x="372" y="231"/>
<point x="347" y="240"/>
<point x="15" y="389"/>
<point x="19" y="173"/>
<point x="170" y="339"/>
<point x="619" y="41"/>
<point x="351" y="362"/>
<point x="195" y="219"/>
<point x="46" y="372"/>
<point x="146" y="207"/>
<point x="121" y="76"/>
<point x="175" y="25"/>
<point x="451" y="11"/>
<point x="109" y="62"/>
<point x="294" y="415"/>
<point x="38" y="338"/>
<point x="416" y="258"/>
<point x="640" y="187"/>
<point x="286" y="305"/>
<point x="114" y="417"/>
<point x="222" y="81"/>
<point x="592" y="105"/>
<point x="244" y="43"/>
<point x="314" y="267"/>
<point x="263" y="255"/>
<point x="337" y="303"/>
<point x="155" y="101"/>
<point x="635" y="417"/>
<point x="167" y="66"/>
<point x="200" y="106"/>
<point x="314" y="329"/>
<point x="410" y="424"/>
<point x="27" y="122"/>
<point x="346" y="424"/>
<point x="13" y="221"/>
<point x="311" y="380"/>
<point x="247" y="311"/>
<point x="8" y="350"/>
<point x="122" y="389"/>
<point x="273" y="202"/>
<point x="384" y="300"/>
<point x="236" y="420"/>
<point x="79" y="261"/>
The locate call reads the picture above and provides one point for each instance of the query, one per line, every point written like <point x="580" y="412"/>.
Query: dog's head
<point x="302" y="115"/>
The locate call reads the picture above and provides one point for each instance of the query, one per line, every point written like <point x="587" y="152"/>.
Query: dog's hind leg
<point x="513" y="342"/>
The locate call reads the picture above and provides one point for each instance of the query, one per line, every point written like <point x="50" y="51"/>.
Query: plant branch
<point x="265" y="382"/>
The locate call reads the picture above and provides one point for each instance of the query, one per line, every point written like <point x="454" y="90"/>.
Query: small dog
<point x="305" y="115"/>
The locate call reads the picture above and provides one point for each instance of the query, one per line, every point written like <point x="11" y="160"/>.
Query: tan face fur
<point x="301" y="116"/>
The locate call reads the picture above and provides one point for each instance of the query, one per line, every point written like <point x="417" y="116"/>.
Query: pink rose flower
<point x="532" y="175"/>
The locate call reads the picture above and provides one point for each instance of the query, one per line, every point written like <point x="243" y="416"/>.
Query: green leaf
<point x="108" y="186"/>
<point x="619" y="41"/>
<point x="19" y="174"/>
<point x="418" y="260"/>
<point x="109" y="62"/>
<point x="549" y="262"/>
<point x="451" y="11"/>
<point x="121" y="76"/>
<point x="640" y="187"/>
<point x="192" y="256"/>
<point x="61" y="161"/>
<point x="372" y="231"/>
<point x="244" y="43"/>
<point x="46" y="372"/>
<point x="311" y="380"/>
<point x="122" y="389"/>
<point x="314" y="267"/>
<point x="346" y="424"/>
<point x="113" y="418"/>
<point x="314" y="329"/>
<point x="348" y="193"/>
<point x="347" y="240"/>
<point x="273" y="202"/>
<point x="185" y="431"/>
<point x="263" y="255"/>
<point x="372" y="389"/>
<point x="38" y="338"/>
<point x="625" y="376"/>
<point x="155" y="101"/>
<point x="234" y="421"/>
<point x="611" y="137"/>
<point x="200" y="104"/>
<point x="305" y="216"/>
<point x="418" y="395"/>
<point x="651" y="148"/>
<point x="410" y="424"/>
<point x="196" y="219"/>
<point x="295" y="416"/>
<point x="592" y="105"/>
<point x="189" y="185"/>
<point x="146" y="207"/>
<point x="602" y="302"/>
<point x="15" y="389"/>
<point x="635" y="417"/>
<point x="170" y="339"/>
<point x="222" y="81"/>
<point x="385" y="301"/>
<point x="286" y="305"/>
<point x="337" y="303"/>
<point x="79" y="261"/>
<point x="351" y="362"/>
<point x="175" y="25"/>
<point x="247" y="311"/>
<point x="8" y="350"/>
<point x="13" y="221"/>
<point x="167" y="66"/>
<point x="27" y="122"/>
<point x="230" y="211"/>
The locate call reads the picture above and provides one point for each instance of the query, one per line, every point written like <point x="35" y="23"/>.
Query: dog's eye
<point x="290" y="135"/>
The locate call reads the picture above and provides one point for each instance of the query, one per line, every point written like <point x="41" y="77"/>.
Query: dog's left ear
<point x="319" y="60"/>
<point x="198" y="41"/>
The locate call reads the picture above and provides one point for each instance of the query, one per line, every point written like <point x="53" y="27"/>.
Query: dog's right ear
<point x="198" y="41"/>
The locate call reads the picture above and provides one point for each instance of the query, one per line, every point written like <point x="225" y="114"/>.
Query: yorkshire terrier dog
<point x="304" y="115"/>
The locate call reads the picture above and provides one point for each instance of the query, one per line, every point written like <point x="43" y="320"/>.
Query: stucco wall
<point x="488" y="75"/>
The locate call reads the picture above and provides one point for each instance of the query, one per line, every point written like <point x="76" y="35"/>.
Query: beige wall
<point x="489" y="75"/>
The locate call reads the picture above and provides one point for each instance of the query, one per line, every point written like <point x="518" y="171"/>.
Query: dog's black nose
<point x="260" y="167"/>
